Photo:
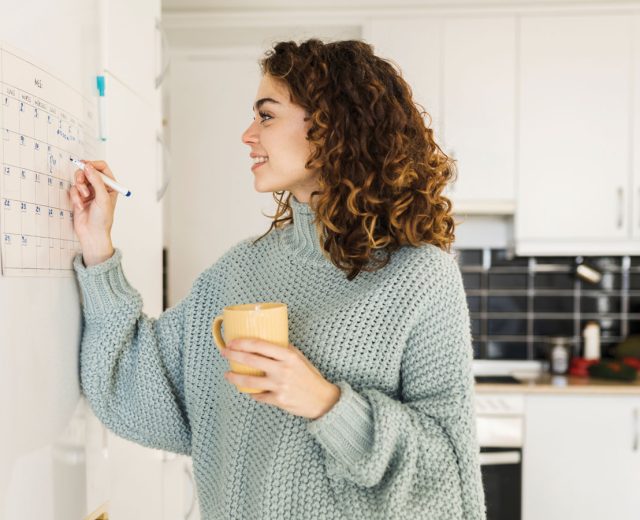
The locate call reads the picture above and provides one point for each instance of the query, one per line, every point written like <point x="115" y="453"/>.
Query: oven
<point x="500" y="427"/>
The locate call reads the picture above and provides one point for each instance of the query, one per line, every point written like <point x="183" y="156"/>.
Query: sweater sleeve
<point x="130" y="364"/>
<point x="416" y="457"/>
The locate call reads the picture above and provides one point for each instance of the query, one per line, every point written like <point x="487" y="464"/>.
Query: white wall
<point x="212" y="203"/>
<point x="39" y="391"/>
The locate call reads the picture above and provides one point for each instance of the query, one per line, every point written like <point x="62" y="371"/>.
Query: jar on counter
<point x="559" y="353"/>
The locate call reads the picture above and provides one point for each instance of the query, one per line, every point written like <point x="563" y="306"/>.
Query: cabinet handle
<point x="636" y="433"/>
<point x="620" y="207"/>
<point x="105" y="442"/>
<point x="192" y="485"/>
<point x="164" y="50"/>
<point x="162" y="165"/>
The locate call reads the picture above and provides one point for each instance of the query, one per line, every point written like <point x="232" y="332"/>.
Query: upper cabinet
<point x="478" y="110"/>
<point x="462" y="71"/>
<point x="576" y="186"/>
<point x="635" y="144"/>
<point x="132" y="45"/>
<point x="415" y="45"/>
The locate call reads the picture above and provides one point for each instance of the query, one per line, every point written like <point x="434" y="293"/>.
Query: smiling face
<point x="279" y="132"/>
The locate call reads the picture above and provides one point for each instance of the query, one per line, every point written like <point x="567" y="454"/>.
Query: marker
<point x="102" y="107"/>
<point x="107" y="180"/>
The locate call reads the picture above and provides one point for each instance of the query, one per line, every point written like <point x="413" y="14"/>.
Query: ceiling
<point x="245" y="5"/>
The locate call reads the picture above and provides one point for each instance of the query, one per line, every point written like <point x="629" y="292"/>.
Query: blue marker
<point x="102" y="108"/>
<point x="107" y="180"/>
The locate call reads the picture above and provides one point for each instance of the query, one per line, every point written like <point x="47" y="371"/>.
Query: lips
<point x="257" y="165"/>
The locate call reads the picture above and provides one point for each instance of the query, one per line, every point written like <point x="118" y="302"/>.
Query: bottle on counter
<point x="559" y="354"/>
<point x="591" y="336"/>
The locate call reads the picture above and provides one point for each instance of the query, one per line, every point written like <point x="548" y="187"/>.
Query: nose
<point x="250" y="135"/>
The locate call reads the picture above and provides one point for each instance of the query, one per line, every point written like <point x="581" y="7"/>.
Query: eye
<point x="263" y="115"/>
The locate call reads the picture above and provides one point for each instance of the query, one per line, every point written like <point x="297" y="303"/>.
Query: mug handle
<point x="217" y="333"/>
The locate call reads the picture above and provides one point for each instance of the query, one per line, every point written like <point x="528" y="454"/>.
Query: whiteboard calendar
<point x="43" y="123"/>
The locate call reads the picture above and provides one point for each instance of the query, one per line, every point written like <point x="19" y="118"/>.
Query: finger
<point x="258" y="346"/>
<point x="81" y="183"/>
<point x="83" y="190"/>
<point x="252" y="360"/>
<point x="100" y="188"/>
<point x="101" y="166"/>
<point x="261" y="382"/>
<point x="79" y="176"/>
<point x="77" y="202"/>
<point x="265" y="397"/>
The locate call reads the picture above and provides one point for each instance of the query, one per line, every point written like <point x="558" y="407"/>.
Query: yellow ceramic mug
<point x="264" y="320"/>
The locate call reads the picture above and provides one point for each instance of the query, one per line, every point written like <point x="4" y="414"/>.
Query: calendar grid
<point x="41" y="130"/>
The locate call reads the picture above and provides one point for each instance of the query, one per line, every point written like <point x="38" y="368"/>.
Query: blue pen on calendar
<point x="107" y="180"/>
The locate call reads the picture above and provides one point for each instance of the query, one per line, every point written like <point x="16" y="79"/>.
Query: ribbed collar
<point x="301" y="238"/>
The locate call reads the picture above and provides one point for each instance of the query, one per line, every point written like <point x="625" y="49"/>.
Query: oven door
<point x="502" y="481"/>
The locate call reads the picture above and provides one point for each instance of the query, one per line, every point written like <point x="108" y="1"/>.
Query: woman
<point x="370" y="414"/>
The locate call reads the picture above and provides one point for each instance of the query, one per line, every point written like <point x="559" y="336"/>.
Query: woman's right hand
<point x="93" y="208"/>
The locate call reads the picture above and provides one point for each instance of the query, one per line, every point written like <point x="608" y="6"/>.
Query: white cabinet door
<point x="581" y="457"/>
<point x="635" y="193"/>
<point x="131" y="151"/>
<point x="129" y="478"/>
<point x="414" y="44"/>
<point x="180" y="495"/>
<point x="131" y="43"/>
<point x="478" y="116"/>
<point x="574" y="134"/>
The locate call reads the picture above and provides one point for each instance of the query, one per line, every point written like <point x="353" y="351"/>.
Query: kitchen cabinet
<point x="581" y="457"/>
<point x="478" y="110"/>
<point x="132" y="45"/>
<point x="577" y="108"/>
<point x="635" y="145"/>
<point x="132" y="478"/>
<point x="132" y="153"/>
<point x="397" y="39"/>
<point x="464" y="76"/>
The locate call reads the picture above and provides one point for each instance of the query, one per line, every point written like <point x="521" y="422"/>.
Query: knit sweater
<point x="400" y="443"/>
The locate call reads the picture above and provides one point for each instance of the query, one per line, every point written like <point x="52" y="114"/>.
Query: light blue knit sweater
<point x="399" y="444"/>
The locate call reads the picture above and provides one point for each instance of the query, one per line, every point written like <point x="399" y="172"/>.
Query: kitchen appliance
<point x="500" y="428"/>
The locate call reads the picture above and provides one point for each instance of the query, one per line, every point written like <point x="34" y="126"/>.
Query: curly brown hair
<point x="381" y="173"/>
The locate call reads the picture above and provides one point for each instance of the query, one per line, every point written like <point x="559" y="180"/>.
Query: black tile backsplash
<point x="516" y="303"/>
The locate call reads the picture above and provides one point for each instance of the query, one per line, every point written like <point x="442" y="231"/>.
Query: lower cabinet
<point x="135" y="482"/>
<point x="581" y="457"/>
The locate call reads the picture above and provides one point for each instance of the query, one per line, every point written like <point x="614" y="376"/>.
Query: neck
<point x="302" y="238"/>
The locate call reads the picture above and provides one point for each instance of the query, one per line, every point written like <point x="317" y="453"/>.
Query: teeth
<point x="260" y="159"/>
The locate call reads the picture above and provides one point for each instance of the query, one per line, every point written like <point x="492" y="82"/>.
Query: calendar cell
<point x="27" y="185"/>
<point x="12" y="254"/>
<point x="28" y="248"/>
<point x="28" y="218"/>
<point x="42" y="253"/>
<point x="11" y="182"/>
<point x="10" y="113"/>
<point x="11" y="216"/>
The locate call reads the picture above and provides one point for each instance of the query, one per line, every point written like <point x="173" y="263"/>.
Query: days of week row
<point x="27" y="252"/>
<point x="23" y="112"/>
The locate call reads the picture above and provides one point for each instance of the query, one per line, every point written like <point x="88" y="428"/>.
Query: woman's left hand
<point x="291" y="382"/>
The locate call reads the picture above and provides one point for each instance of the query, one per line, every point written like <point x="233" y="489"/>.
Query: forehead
<point x="270" y="87"/>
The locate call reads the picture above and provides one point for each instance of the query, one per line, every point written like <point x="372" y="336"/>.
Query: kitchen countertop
<point x="554" y="384"/>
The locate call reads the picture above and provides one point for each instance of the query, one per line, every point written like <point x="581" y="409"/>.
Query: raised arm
<point x="131" y="368"/>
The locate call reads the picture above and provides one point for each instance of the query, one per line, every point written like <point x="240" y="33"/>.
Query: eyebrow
<point x="262" y="101"/>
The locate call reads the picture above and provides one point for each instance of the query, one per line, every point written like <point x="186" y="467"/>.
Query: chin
<point x="262" y="185"/>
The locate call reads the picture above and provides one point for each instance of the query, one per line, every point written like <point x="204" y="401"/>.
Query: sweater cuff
<point x="103" y="285"/>
<point x="345" y="431"/>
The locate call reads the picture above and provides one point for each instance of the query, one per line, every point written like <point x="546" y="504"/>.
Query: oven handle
<point x="496" y="458"/>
